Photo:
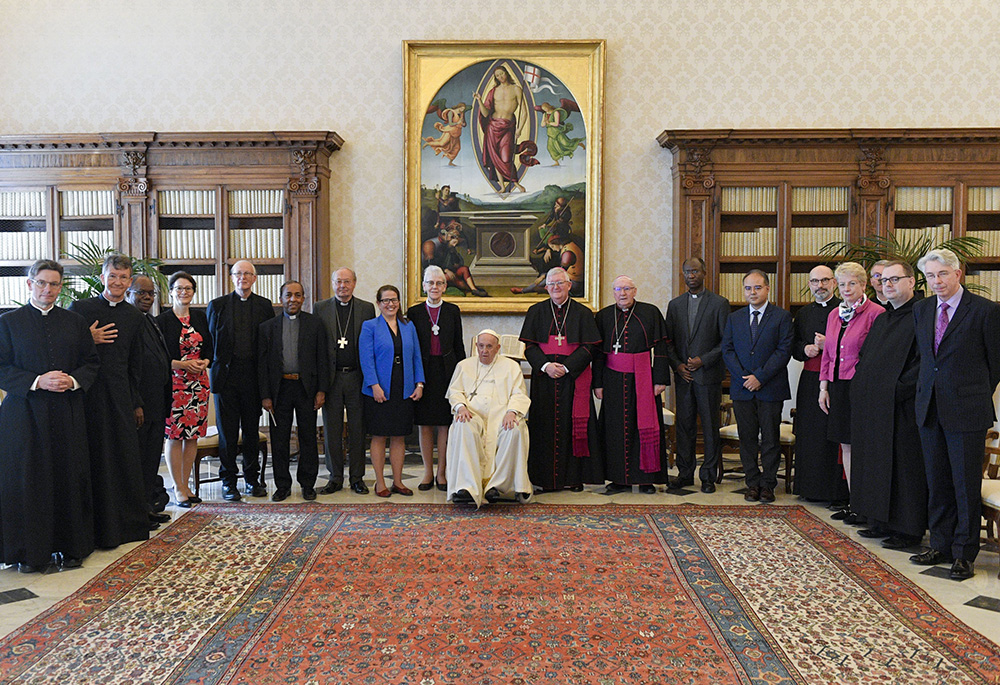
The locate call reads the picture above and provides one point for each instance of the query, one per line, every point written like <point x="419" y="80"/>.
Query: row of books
<point x="924" y="199"/>
<point x="984" y="199"/>
<point x="185" y="202"/>
<point x="104" y="240"/>
<point x="207" y="289"/>
<point x="22" y="204"/>
<point x="269" y="285"/>
<point x="987" y="279"/>
<point x="754" y="199"/>
<point x="187" y="244"/>
<point x="759" y="242"/>
<point x="820" y="199"/>
<point x="256" y="202"/>
<point x="938" y="234"/>
<point x="809" y="240"/>
<point x="992" y="239"/>
<point x="257" y="243"/>
<point x="798" y="284"/>
<point x="731" y="286"/>
<point x="23" y="244"/>
<point x="86" y="203"/>
<point x="13" y="290"/>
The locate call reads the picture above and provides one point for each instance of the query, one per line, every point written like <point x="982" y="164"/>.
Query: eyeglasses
<point x="754" y="288"/>
<point x="145" y="293"/>
<point x="183" y="289"/>
<point x="45" y="284"/>
<point x="893" y="280"/>
<point x="243" y="274"/>
<point x="556" y="284"/>
<point x="438" y="283"/>
<point x="389" y="300"/>
<point x="624" y="288"/>
<point x="343" y="281"/>
<point x="876" y="278"/>
<point x="817" y="281"/>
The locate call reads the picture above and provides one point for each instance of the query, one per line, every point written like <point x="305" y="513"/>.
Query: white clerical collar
<point x="559" y="306"/>
<point x="824" y="303"/>
<point x="432" y="305"/>
<point x="343" y="304"/>
<point x="111" y="302"/>
<point x="292" y="316"/>
<point x="45" y="312"/>
<point x="695" y="296"/>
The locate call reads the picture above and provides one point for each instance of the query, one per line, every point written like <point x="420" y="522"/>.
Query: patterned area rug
<point x="521" y="594"/>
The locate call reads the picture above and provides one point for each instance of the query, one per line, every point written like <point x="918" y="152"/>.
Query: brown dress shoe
<point x="752" y="495"/>
<point x="766" y="495"/>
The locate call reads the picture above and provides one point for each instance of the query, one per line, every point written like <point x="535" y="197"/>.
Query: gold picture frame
<point x="503" y="156"/>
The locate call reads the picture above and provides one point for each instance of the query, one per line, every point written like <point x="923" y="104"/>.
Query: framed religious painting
<point x="503" y="169"/>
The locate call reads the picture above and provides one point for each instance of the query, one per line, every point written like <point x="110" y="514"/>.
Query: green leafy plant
<point x="872" y="248"/>
<point x="84" y="281"/>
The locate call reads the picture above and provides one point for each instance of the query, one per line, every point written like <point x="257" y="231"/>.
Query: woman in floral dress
<point x="189" y="342"/>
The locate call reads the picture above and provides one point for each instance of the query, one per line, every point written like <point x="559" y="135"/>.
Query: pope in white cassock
<point x="488" y="440"/>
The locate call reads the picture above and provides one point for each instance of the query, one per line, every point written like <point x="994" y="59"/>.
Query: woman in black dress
<point x="389" y="353"/>
<point x="439" y="328"/>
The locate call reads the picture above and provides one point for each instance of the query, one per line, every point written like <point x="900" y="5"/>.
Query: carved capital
<point x="698" y="182"/>
<point x="873" y="184"/>
<point x="132" y="160"/>
<point x="303" y="186"/>
<point x="304" y="159"/>
<point x="133" y="187"/>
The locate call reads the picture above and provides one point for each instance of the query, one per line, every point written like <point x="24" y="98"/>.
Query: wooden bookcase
<point x="197" y="201"/>
<point x="770" y="198"/>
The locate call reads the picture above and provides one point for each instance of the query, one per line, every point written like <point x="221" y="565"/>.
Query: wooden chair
<point x="208" y="446"/>
<point x="729" y="436"/>
<point x="991" y="492"/>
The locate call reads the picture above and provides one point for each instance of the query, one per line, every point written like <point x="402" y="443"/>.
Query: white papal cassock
<point x="481" y="453"/>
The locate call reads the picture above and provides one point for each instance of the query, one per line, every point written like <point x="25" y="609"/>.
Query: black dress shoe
<point x="153" y="525"/>
<point x="615" y="488"/>
<point x="853" y="519"/>
<point x="309" y="494"/>
<point x="331" y="488"/>
<point x="522" y="497"/>
<point x="766" y="495"/>
<point x="708" y="487"/>
<point x="159" y="518"/>
<point x="193" y="499"/>
<point x="492" y="495"/>
<point x="359" y="488"/>
<point x="647" y="489"/>
<point x="443" y="487"/>
<point x="841" y="514"/>
<point x="678" y="483"/>
<point x="230" y="493"/>
<point x="28" y="568"/>
<point x="424" y="487"/>
<point x="838" y="504"/>
<point x="873" y="532"/>
<point x="185" y="503"/>
<point x="752" y="495"/>
<point x="576" y="488"/>
<point x="160" y="502"/>
<point x="899" y="541"/>
<point x="257" y="490"/>
<point x="462" y="497"/>
<point x="280" y="495"/>
<point x="962" y="569"/>
<point x="67" y="561"/>
<point x="931" y="557"/>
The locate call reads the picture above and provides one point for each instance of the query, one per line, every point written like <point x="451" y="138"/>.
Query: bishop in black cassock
<point x="819" y="475"/>
<point x="120" y="506"/>
<point x="565" y="446"/>
<point x="627" y="377"/>
<point x="45" y="491"/>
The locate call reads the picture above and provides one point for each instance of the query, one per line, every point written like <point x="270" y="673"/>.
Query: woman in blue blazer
<point x="393" y="381"/>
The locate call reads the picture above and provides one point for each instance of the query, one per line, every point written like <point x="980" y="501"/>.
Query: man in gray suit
<point x="695" y="323"/>
<point x="343" y="315"/>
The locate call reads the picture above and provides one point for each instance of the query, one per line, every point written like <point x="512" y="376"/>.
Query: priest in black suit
<point x="233" y="321"/>
<point x="957" y="339"/>
<point x="47" y="362"/>
<point x="695" y="323"/>
<point x="293" y="376"/>
<point x="343" y="315"/>
<point x="819" y="475"/>
<point x="154" y="388"/>
<point x="630" y="384"/>
<point x="560" y="337"/>
<point x="115" y="409"/>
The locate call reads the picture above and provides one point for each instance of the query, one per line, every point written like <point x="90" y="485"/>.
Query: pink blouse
<point x="850" y="345"/>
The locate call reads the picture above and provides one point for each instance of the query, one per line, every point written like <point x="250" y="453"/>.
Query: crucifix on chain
<point x="559" y="339"/>
<point x="342" y="342"/>
<point x="617" y="346"/>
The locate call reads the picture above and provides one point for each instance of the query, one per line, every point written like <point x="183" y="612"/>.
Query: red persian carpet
<point x="522" y="594"/>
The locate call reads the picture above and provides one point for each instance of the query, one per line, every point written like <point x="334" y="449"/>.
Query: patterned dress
<point x="188" y="417"/>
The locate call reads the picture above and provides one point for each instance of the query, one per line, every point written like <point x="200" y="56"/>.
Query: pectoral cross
<point x="617" y="347"/>
<point x="342" y="342"/>
<point x="435" y="329"/>
<point x="559" y="339"/>
<point x="474" y="392"/>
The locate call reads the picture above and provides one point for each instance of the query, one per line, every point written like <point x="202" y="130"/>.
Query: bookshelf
<point x="197" y="201"/>
<point x="812" y="187"/>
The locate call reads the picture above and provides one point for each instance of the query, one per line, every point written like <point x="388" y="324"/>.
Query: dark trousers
<point x="237" y="405"/>
<point x="694" y="400"/>
<point x="759" y="426"/>
<point x="953" y="461"/>
<point x="150" y="452"/>
<point x="291" y="399"/>
<point x="345" y="393"/>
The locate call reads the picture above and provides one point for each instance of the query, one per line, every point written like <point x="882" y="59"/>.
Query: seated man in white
<point x="488" y="440"/>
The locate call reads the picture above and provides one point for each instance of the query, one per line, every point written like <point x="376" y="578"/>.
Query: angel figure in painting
<point x="449" y="143"/>
<point x="554" y="122"/>
<point x="503" y="118"/>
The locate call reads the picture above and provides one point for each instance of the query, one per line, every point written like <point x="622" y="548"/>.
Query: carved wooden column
<point x="133" y="191"/>
<point x="873" y="191"/>
<point x="695" y="186"/>
<point x="302" y="257"/>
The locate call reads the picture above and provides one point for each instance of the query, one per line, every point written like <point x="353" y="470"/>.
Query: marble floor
<point x="40" y="591"/>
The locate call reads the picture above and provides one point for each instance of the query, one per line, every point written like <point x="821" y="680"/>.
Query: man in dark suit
<point x="154" y="388"/>
<point x="756" y="347"/>
<point x="293" y="375"/>
<point x="234" y="320"/>
<point x="957" y="338"/>
<point x="696" y="321"/>
<point x="342" y="315"/>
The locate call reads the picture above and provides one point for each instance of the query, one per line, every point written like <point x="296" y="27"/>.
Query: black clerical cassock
<point x="45" y="491"/>
<point x="631" y="415"/>
<point x="565" y="446"/>
<point x="120" y="507"/>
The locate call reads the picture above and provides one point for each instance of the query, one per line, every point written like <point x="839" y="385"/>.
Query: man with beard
<point x="819" y="475"/>
<point x="888" y="485"/>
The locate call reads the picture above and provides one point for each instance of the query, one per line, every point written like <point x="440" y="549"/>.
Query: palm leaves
<point x="84" y="281"/>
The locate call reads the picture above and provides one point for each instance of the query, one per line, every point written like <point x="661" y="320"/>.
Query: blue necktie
<point x="753" y="327"/>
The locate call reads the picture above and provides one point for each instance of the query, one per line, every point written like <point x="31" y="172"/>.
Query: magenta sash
<point x="581" y="397"/>
<point x="649" y="427"/>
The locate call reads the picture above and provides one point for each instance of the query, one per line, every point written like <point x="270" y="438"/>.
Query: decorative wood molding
<point x="133" y="159"/>
<point x="304" y="159"/>
<point x="133" y="187"/>
<point x="303" y="186"/>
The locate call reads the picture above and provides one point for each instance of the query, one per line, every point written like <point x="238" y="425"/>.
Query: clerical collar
<point x="557" y="305"/>
<point x="432" y="305"/>
<point x="343" y="304"/>
<point x="291" y="316"/>
<point x="695" y="295"/>
<point x="45" y="312"/>
<point x="111" y="303"/>
<point x="825" y="303"/>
